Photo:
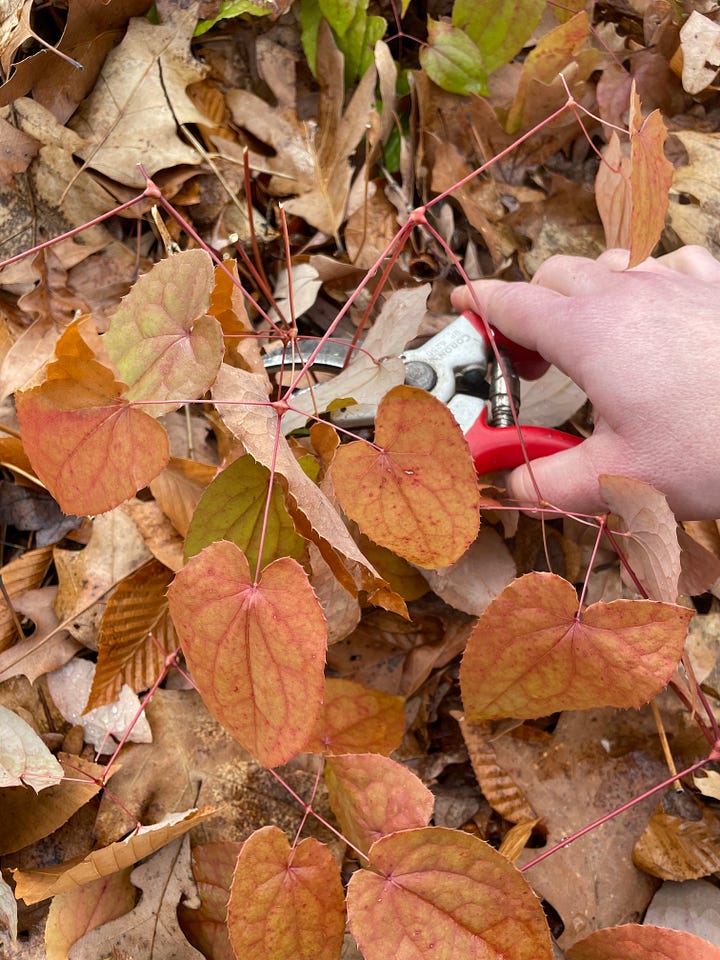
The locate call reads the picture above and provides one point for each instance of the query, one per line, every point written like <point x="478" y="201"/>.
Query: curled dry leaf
<point x="24" y="758"/>
<point x="650" y="541"/>
<point x="35" y="885"/>
<point x="434" y="887"/>
<point x="414" y="490"/>
<point x="634" y="942"/>
<point x="286" y="901"/>
<point x="533" y="652"/>
<point x="700" y="44"/>
<point x="256" y="649"/>
<point x="674" y="848"/>
<point x="8" y="908"/>
<point x="373" y="796"/>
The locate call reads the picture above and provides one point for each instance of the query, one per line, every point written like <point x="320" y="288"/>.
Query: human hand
<point x="644" y="344"/>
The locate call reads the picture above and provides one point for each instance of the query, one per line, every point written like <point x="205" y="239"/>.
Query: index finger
<point x="530" y="315"/>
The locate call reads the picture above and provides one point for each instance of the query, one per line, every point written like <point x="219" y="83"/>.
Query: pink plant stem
<point x="610" y="816"/>
<point x="74" y="231"/>
<point x="308" y="807"/>
<point x="310" y="802"/>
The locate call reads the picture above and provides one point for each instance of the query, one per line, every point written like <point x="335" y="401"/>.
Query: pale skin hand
<point x="644" y="344"/>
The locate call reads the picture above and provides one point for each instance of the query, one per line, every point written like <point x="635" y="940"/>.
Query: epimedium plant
<point x="253" y="631"/>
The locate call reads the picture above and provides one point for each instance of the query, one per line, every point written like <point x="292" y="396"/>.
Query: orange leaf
<point x="632" y="193"/>
<point x="163" y="342"/>
<point x="286" y="901"/>
<point x="531" y="654"/>
<point x="206" y="927"/>
<point x="373" y="796"/>
<point x="355" y="719"/>
<point x="75" y="912"/>
<point x="90" y="448"/>
<point x="434" y="892"/>
<point x="634" y="942"/>
<point x="256" y="650"/>
<point x="414" y="490"/>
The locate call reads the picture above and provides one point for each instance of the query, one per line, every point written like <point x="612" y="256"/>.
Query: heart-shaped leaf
<point x="414" y="490"/>
<point x="256" y="650"/>
<point x="434" y="892"/>
<point x="533" y="652"/>
<point x="286" y="902"/>
<point x="633" y="942"/>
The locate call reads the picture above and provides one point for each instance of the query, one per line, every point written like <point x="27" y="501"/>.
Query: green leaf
<point x="310" y="17"/>
<point x="452" y="60"/>
<point x="233" y="508"/>
<point x="235" y="8"/>
<point x="341" y="13"/>
<point x="358" y="44"/>
<point x="498" y="28"/>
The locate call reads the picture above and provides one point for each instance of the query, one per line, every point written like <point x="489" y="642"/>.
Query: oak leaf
<point x="206" y="927"/>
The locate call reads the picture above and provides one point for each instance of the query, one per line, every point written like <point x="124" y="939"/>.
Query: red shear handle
<point x="528" y="364"/>
<point x="498" y="448"/>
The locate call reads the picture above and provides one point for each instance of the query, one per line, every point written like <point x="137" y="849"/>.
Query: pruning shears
<point x="480" y="387"/>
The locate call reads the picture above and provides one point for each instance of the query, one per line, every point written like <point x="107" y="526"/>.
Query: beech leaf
<point x="531" y="654"/>
<point x="286" y="902"/>
<point x="256" y="650"/>
<point x="414" y="490"/>
<point x="373" y="796"/>
<point x="161" y="339"/>
<point x="433" y="892"/>
<point x="634" y="942"/>
<point x="24" y="758"/>
<point x="90" y="448"/>
<point x="355" y="719"/>
<point x="233" y="508"/>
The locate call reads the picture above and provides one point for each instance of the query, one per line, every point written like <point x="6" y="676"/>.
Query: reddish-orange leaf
<point x="439" y="894"/>
<point x="532" y="654"/>
<point x="650" y="180"/>
<point x="127" y="653"/>
<point x="286" y="903"/>
<point x="76" y="912"/>
<point x="632" y="192"/>
<point x="355" y="719"/>
<point x="256" y="650"/>
<point x="163" y="342"/>
<point x="206" y="927"/>
<point x="90" y="448"/>
<point x="414" y="490"/>
<point x="634" y="942"/>
<point x="373" y="796"/>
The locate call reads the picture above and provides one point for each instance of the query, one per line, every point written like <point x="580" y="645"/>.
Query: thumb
<point x="567" y="480"/>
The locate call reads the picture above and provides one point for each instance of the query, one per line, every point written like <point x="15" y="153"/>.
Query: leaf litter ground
<point x="239" y="126"/>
